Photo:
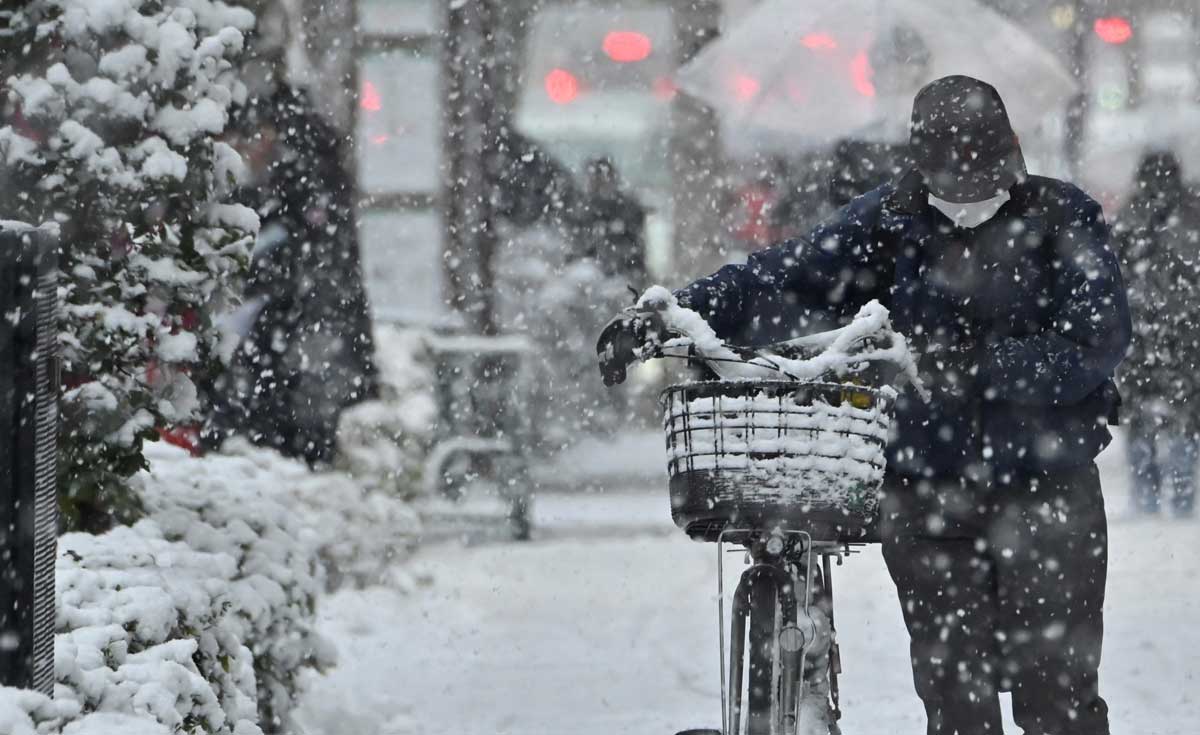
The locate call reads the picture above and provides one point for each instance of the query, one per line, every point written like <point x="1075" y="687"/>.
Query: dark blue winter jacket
<point x="1033" y="300"/>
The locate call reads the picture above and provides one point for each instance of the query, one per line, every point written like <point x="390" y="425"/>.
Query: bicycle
<point x="785" y="462"/>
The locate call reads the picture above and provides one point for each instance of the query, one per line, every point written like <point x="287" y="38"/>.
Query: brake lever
<point x="651" y="332"/>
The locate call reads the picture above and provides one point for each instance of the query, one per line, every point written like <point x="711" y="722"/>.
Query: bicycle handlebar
<point x="867" y="342"/>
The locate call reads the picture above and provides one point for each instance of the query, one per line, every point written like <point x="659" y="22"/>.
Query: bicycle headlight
<point x="792" y="639"/>
<point x="775" y="545"/>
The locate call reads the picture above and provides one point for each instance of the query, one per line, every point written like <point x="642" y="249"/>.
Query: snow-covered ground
<point x="608" y="625"/>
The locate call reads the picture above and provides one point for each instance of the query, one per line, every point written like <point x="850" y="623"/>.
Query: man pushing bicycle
<point x="992" y="518"/>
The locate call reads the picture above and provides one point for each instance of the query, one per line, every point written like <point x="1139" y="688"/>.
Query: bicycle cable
<point x="770" y="364"/>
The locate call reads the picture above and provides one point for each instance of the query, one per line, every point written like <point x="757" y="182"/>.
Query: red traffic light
<point x="1115" y="30"/>
<point x="627" y="46"/>
<point x="561" y="86"/>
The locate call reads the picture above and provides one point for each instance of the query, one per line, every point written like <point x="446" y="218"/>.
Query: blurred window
<point x="597" y="82"/>
<point x="609" y="49"/>
<point x="399" y="123"/>
<point x="403" y="249"/>
<point x="399" y="17"/>
<point x="398" y="149"/>
<point x="1167" y="50"/>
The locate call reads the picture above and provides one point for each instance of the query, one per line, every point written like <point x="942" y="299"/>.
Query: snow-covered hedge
<point x="121" y="105"/>
<point x="230" y="506"/>
<point x="359" y="531"/>
<point x="23" y="712"/>
<point x="147" y="628"/>
<point x="150" y="626"/>
<point x="199" y="618"/>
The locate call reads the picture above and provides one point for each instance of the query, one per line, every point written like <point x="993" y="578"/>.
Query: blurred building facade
<point x="578" y="80"/>
<point x="1138" y="65"/>
<point x="552" y="80"/>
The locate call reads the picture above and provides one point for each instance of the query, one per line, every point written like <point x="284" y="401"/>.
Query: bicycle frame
<point x="804" y="653"/>
<point x="779" y="602"/>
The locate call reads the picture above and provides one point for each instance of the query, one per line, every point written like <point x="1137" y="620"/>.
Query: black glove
<point x="627" y="337"/>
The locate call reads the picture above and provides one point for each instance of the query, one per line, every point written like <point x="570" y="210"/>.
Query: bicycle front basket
<point x="760" y="454"/>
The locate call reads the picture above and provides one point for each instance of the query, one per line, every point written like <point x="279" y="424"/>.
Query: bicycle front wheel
<point x="763" y="654"/>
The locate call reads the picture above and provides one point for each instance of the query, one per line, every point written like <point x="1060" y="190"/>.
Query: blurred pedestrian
<point x="753" y="205"/>
<point x="305" y="349"/>
<point x="611" y="224"/>
<point x="798" y="201"/>
<point x="1158" y="237"/>
<point x="860" y="166"/>
<point x="538" y="189"/>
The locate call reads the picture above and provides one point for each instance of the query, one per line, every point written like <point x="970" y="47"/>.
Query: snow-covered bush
<point x="359" y="532"/>
<point x="292" y="533"/>
<point x="117" y="110"/>
<point x="383" y="443"/>
<point x="25" y="712"/>
<point x="199" y="618"/>
<point x="148" y="628"/>
<point x="246" y="511"/>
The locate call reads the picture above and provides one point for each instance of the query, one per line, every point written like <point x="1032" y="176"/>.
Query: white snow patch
<point x="127" y="61"/>
<point x="182" y="125"/>
<point x="237" y="216"/>
<point x="840" y="352"/>
<point x="178" y="347"/>
<point x="112" y="723"/>
<point x="159" y="161"/>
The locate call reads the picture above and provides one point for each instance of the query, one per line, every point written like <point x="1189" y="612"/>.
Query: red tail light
<point x="627" y="46"/>
<point x="819" y="42"/>
<point x="561" y="86"/>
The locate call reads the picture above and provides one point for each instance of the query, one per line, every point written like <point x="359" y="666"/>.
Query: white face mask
<point x="970" y="214"/>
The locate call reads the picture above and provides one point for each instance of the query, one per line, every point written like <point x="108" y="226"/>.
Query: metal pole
<point x="28" y="458"/>
<point x="697" y="162"/>
<point x="721" y="629"/>
<point x="1076" y="118"/>
<point x="479" y="70"/>
<point x="471" y="133"/>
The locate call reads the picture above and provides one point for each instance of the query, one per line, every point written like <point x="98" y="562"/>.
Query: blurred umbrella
<point x="812" y="71"/>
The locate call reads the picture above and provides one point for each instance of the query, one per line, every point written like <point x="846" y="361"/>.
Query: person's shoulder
<point x="875" y="198"/>
<point x="1062" y="196"/>
<point x="864" y="209"/>
<point x="850" y="231"/>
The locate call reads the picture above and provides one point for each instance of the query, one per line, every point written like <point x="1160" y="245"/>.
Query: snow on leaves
<point x="199" y="618"/>
<point x="117" y="143"/>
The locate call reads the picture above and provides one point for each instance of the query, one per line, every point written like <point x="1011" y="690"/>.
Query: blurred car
<point x="597" y="82"/>
<point x="1144" y="76"/>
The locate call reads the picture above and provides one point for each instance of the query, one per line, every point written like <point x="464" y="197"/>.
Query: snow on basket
<point x="806" y="453"/>
<point x="757" y="454"/>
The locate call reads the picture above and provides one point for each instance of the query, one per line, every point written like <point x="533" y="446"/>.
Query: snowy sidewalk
<point x="596" y="630"/>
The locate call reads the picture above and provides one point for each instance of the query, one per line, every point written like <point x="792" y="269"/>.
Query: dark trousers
<point x="1162" y="458"/>
<point x="1002" y="589"/>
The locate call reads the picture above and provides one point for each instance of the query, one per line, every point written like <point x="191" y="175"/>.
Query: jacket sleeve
<point x="1091" y="329"/>
<point x="824" y="271"/>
